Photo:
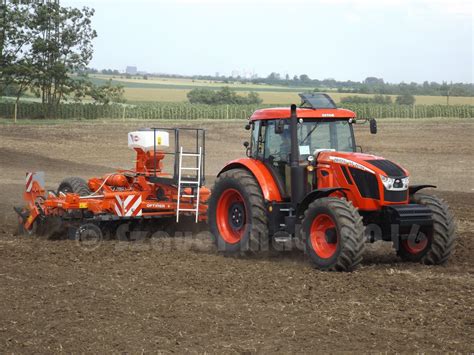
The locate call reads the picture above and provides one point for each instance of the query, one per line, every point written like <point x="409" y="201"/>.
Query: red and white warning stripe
<point x="128" y="207"/>
<point x="29" y="181"/>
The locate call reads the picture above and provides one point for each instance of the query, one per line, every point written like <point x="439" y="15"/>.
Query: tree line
<point x="43" y="46"/>
<point x="370" y="85"/>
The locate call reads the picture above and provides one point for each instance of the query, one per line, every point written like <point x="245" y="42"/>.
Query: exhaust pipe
<point x="298" y="173"/>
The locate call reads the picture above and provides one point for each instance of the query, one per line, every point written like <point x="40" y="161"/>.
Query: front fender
<point x="413" y="189"/>
<point x="313" y="195"/>
<point x="261" y="173"/>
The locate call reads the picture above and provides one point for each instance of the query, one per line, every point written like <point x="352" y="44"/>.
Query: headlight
<point x="387" y="182"/>
<point x="395" y="183"/>
<point x="406" y="182"/>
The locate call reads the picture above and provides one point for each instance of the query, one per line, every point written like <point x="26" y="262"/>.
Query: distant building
<point x="131" y="70"/>
<point x="235" y="73"/>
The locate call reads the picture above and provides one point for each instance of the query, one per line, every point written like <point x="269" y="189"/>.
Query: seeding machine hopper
<point x="147" y="196"/>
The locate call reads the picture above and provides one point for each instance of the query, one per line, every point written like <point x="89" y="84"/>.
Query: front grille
<point x="366" y="183"/>
<point x="389" y="168"/>
<point x="395" y="196"/>
<point x="346" y="175"/>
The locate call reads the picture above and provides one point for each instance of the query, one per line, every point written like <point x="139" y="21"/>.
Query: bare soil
<point x="179" y="295"/>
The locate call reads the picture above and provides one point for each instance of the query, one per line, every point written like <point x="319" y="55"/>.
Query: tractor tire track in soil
<point x="178" y="295"/>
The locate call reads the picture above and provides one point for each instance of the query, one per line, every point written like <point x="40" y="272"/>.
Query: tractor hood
<point x="366" y="162"/>
<point x="369" y="176"/>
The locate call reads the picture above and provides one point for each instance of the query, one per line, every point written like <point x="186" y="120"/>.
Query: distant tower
<point x="132" y="70"/>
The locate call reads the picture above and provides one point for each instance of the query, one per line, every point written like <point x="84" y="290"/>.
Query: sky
<point x="398" y="40"/>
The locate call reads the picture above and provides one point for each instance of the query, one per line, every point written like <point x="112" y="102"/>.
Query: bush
<point x="405" y="99"/>
<point x="225" y="96"/>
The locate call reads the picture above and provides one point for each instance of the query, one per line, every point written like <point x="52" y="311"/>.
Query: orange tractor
<point x="304" y="183"/>
<point x="145" y="198"/>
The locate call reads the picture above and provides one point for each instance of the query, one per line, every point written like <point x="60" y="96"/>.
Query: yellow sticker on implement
<point x="82" y="204"/>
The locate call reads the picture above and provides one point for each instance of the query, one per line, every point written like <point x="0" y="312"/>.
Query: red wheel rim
<point x="231" y="216"/>
<point x="324" y="236"/>
<point x="415" y="245"/>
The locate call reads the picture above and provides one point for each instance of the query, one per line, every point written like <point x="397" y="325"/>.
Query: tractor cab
<point x="321" y="127"/>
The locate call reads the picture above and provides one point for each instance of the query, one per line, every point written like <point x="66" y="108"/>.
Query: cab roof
<point x="301" y="112"/>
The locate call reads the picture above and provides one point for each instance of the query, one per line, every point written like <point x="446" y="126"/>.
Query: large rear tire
<point x="75" y="185"/>
<point x="334" y="234"/>
<point x="236" y="215"/>
<point x="435" y="248"/>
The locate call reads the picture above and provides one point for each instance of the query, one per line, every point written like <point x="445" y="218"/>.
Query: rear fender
<point x="261" y="173"/>
<point x="314" y="195"/>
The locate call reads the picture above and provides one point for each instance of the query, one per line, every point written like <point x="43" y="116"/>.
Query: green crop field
<point x="183" y="110"/>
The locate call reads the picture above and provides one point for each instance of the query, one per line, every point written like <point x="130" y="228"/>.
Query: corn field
<point x="194" y="111"/>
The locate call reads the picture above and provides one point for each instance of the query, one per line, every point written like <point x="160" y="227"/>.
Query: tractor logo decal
<point x="128" y="207"/>
<point x="350" y="163"/>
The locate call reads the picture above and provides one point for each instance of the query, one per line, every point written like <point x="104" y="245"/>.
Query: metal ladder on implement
<point x="186" y="183"/>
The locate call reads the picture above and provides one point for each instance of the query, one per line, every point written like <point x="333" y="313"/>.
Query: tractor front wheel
<point x="236" y="214"/>
<point x="436" y="247"/>
<point x="334" y="234"/>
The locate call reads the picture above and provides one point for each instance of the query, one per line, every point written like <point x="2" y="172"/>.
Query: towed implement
<point x="145" y="198"/>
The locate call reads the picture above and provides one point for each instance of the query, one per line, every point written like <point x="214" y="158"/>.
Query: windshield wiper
<point x="309" y="133"/>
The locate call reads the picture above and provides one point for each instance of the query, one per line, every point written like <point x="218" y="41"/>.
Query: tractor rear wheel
<point x="435" y="248"/>
<point x="75" y="185"/>
<point x="334" y="234"/>
<point x="236" y="214"/>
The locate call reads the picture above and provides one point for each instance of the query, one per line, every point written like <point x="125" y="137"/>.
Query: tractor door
<point x="276" y="151"/>
<point x="273" y="151"/>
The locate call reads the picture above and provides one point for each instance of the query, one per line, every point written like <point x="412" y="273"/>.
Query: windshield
<point x="312" y="135"/>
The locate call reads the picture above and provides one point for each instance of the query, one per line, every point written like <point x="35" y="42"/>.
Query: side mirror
<point x="247" y="126"/>
<point x="247" y="148"/>
<point x="373" y="126"/>
<point x="279" y="126"/>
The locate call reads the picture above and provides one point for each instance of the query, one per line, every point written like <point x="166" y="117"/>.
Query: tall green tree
<point x="63" y="47"/>
<point x="16" y="72"/>
<point x="42" y="44"/>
